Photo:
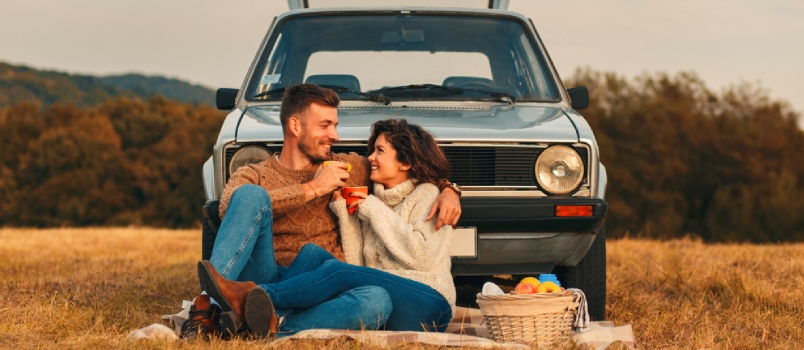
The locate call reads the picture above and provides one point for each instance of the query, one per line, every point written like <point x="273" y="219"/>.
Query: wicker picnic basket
<point x="544" y="318"/>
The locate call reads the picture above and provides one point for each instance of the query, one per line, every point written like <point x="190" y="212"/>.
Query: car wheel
<point x="589" y="276"/>
<point x="208" y="236"/>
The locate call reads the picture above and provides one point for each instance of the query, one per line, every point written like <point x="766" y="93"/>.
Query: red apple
<point x="525" y="288"/>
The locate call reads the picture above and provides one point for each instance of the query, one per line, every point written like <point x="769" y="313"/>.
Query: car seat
<point x="350" y="82"/>
<point x="479" y="83"/>
<point x="459" y="81"/>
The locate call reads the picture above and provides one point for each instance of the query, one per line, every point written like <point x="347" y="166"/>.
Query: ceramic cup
<point x="347" y="193"/>
<point x="330" y="162"/>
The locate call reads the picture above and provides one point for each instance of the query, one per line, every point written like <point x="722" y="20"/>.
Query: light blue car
<point x="481" y="81"/>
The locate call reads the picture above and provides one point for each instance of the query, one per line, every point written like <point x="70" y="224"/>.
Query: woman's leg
<point x="368" y="308"/>
<point x="416" y="306"/>
<point x="310" y="257"/>
<point x="244" y="247"/>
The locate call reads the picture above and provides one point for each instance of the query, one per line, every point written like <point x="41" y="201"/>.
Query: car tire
<point x="208" y="236"/>
<point x="589" y="276"/>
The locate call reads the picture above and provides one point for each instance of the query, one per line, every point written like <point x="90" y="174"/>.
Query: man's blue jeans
<point x="244" y="251"/>
<point x="416" y="306"/>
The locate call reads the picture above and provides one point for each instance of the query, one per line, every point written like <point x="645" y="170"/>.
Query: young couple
<point x="390" y="265"/>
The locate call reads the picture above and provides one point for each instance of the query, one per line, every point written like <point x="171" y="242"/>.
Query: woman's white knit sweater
<point x="393" y="235"/>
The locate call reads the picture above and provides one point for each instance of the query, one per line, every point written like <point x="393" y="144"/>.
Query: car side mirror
<point x="579" y="96"/>
<point x="225" y="98"/>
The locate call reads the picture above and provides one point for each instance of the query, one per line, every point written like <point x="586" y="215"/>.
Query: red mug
<point x="347" y="193"/>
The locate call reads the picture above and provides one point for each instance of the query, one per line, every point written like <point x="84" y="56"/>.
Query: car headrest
<point x="348" y="81"/>
<point x="452" y="81"/>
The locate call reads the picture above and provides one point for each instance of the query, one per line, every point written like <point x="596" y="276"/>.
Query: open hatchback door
<point x="479" y="4"/>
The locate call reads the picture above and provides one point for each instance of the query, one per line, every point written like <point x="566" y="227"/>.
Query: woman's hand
<point x="361" y="197"/>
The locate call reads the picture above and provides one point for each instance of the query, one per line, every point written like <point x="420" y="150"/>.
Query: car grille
<point x="476" y="166"/>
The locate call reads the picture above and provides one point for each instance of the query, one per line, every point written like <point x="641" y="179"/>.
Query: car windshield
<point x="398" y="56"/>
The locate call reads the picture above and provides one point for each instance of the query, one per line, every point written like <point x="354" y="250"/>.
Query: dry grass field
<point x="87" y="288"/>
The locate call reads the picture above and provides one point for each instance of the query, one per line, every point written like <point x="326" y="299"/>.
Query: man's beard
<point x="308" y="146"/>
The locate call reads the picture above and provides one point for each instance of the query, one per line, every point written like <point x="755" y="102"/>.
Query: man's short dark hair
<point x="298" y="98"/>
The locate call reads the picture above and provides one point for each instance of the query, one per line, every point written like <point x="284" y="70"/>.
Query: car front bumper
<point x="514" y="235"/>
<point x="524" y="235"/>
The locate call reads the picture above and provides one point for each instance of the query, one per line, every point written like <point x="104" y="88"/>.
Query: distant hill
<point x="21" y="83"/>
<point x="173" y="89"/>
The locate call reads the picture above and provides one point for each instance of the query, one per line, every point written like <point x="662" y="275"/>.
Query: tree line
<point x="681" y="159"/>
<point x="123" y="162"/>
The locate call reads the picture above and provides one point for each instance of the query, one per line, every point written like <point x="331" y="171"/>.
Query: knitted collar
<point x="395" y="195"/>
<point x="274" y="162"/>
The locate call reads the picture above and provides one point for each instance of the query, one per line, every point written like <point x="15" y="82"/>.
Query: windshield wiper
<point x="339" y="89"/>
<point x="423" y="90"/>
<point x="502" y="96"/>
<point x="371" y="97"/>
<point x="419" y="89"/>
<point x="271" y="92"/>
<point x="413" y="89"/>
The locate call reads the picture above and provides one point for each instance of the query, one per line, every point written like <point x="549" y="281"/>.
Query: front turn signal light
<point x="573" y="210"/>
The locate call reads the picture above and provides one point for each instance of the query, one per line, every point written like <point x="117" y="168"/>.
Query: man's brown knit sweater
<point x="296" y="222"/>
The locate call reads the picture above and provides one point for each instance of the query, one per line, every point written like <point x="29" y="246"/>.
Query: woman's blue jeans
<point x="244" y="251"/>
<point x="315" y="277"/>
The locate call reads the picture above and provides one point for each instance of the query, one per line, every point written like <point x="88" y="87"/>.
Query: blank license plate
<point x="464" y="242"/>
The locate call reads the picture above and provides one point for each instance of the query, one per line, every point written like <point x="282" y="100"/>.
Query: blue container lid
<point x="549" y="277"/>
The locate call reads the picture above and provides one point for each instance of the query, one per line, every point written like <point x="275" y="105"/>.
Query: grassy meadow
<point x="88" y="288"/>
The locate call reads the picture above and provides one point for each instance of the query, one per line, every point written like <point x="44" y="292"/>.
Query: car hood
<point x="518" y="123"/>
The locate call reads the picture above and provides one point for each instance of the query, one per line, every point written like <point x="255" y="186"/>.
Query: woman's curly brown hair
<point x="415" y="147"/>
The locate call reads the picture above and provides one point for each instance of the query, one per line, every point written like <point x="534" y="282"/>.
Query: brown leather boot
<point x="260" y="314"/>
<point x="203" y="320"/>
<point x="231" y="295"/>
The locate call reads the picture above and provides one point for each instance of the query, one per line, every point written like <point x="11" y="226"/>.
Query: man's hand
<point x="448" y="207"/>
<point x="329" y="178"/>
<point x="336" y="196"/>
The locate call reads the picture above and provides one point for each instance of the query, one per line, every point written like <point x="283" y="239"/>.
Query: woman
<point x="387" y="243"/>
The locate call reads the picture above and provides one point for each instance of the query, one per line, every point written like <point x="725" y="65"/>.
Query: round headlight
<point x="559" y="169"/>
<point x="247" y="155"/>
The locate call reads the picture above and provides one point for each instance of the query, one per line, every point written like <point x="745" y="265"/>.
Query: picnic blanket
<point x="465" y="329"/>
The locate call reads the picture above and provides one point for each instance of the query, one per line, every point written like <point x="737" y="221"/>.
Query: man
<point x="271" y="209"/>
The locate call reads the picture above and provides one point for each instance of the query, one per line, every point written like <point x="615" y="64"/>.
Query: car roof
<point x="412" y="9"/>
<point x="487" y="4"/>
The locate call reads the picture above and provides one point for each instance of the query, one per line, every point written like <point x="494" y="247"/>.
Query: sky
<point x="212" y="43"/>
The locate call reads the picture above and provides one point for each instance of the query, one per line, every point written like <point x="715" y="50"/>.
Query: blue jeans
<point x="244" y="251"/>
<point x="244" y="247"/>
<point x="416" y="306"/>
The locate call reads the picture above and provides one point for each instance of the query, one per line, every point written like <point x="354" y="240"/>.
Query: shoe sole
<point x="260" y="313"/>
<point x="229" y="320"/>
